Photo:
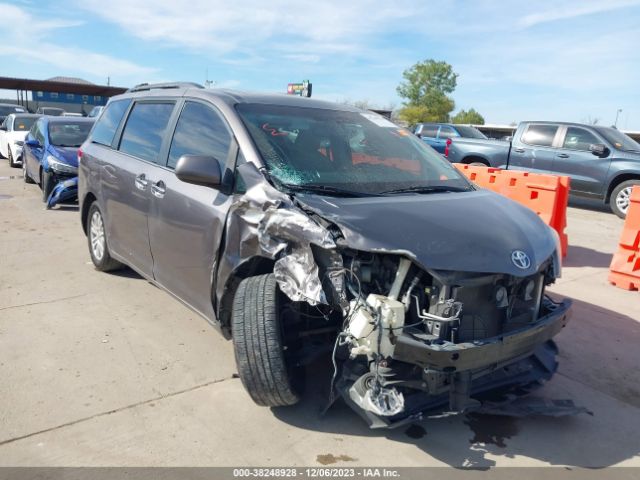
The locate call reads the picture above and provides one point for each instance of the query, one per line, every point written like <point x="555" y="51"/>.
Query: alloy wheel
<point x="96" y="232"/>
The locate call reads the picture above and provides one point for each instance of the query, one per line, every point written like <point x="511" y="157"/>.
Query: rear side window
<point x="145" y="129"/>
<point x="106" y="127"/>
<point x="429" y="131"/>
<point x="200" y="131"/>
<point x="447" y="132"/>
<point x="540" y="135"/>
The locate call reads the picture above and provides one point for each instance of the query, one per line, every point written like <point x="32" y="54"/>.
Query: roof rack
<point x="151" y="86"/>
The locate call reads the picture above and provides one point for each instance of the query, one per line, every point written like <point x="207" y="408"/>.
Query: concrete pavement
<point x="107" y="370"/>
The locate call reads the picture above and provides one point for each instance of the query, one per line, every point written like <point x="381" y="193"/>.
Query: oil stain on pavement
<point x="491" y="429"/>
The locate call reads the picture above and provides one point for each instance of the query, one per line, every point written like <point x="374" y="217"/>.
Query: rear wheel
<point x="97" y="239"/>
<point x="257" y="340"/>
<point x="621" y="197"/>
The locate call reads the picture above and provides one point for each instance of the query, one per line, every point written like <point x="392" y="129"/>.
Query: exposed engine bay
<point x="407" y="338"/>
<point x="398" y="315"/>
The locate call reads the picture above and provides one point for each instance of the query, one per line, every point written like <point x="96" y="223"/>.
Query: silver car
<point x="308" y="230"/>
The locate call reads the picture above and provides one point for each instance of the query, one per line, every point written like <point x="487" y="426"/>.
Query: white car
<point x="13" y="131"/>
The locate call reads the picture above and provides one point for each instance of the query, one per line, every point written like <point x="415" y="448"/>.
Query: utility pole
<point x="618" y="112"/>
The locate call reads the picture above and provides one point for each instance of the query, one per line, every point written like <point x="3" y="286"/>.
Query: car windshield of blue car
<point x="68" y="134"/>
<point x="334" y="152"/>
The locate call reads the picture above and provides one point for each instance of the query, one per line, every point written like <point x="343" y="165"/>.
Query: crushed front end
<point x="416" y="341"/>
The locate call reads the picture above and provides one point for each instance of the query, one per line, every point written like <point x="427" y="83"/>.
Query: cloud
<point x="566" y="11"/>
<point x="30" y="35"/>
<point x="305" y="31"/>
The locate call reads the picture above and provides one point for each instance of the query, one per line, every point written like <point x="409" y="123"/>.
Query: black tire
<point x="620" y="197"/>
<point x="25" y="174"/>
<point x="104" y="263"/>
<point x="46" y="184"/>
<point x="12" y="163"/>
<point x="257" y="341"/>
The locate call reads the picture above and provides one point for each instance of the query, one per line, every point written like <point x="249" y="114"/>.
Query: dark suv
<point x="308" y="230"/>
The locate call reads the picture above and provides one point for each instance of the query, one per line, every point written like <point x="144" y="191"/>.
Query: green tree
<point x="470" y="116"/>
<point x="425" y="88"/>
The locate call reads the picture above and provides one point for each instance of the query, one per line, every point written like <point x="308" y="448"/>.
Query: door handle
<point x="141" y="182"/>
<point x="518" y="150"/>
<point x="563" y="155"/>
<point x="158" y="189"/>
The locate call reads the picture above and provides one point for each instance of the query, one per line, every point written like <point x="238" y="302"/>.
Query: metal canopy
<point x="25" y="84"/>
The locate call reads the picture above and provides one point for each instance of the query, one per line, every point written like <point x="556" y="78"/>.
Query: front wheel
<point x="621" y="198"/>
<point x="97" y="239"/>
<point x="47" y="183"/>
<point x="12" y="162"/>
<point x="258" y="343"/>
<point x="25" y="174"/>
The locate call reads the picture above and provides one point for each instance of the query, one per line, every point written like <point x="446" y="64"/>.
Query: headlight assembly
<point x="60" y="167"/>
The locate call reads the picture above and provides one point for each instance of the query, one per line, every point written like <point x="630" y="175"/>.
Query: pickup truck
<point x="436" y="134"/>
<point x="603" y="162"/>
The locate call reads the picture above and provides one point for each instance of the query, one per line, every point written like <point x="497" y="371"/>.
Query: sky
<point x="570" y="60"/>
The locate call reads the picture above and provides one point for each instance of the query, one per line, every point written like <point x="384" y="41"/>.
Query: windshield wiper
<point x="326" y="190"/>
<point x="427" y="189"/>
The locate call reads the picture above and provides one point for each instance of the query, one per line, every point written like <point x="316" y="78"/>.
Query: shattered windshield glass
<point x="334" y="152"/>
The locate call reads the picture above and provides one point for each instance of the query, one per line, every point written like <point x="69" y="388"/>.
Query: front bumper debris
<point x="490" y="376"/>
<point x="64" y="190"/>
<point x="449" y="357"/>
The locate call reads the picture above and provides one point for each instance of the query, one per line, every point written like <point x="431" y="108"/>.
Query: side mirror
<point x="598" y="149"/>
<point x="199" y="170"/>
<point x="33" y="143"/>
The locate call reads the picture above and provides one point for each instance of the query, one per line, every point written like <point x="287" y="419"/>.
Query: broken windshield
<point x="356" y="151"/>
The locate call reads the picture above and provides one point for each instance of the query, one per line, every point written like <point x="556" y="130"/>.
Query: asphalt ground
<point x="107" y="370"/>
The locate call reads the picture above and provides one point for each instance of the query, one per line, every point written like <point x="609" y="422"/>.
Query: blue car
<point x="50" y="155"/>
<point x="437" y="134"/>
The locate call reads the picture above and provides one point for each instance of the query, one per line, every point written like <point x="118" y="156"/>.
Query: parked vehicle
<point x="603" y="162"/>
<point x="50" y="152"/>
<point x="95" y="112"/>
<point x="437" y="134"/>
<point x="304" y="228"/>
<point x="51" y="111"/>
<point x="13" y="130"/>
<point x="9" y="108"/>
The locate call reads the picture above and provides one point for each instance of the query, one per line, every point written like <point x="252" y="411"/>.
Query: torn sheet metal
<point x="64" y="190"/>
<point x="292" y="232"/>
<point x="264" y="222"/>
<point x="532" y="406"/>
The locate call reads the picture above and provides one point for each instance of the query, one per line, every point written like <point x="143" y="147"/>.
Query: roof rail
<point x="151" y="86"/>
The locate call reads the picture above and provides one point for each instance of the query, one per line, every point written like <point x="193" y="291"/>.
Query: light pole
<point x="618" y="112"/>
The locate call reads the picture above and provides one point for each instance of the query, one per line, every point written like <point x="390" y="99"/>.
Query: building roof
<point x="85" y="88"/>
<point x="70" y="80"/>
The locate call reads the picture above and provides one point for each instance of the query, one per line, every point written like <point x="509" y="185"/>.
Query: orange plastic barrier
<point x="547" y="195"/>
<point x="624" y="271"/>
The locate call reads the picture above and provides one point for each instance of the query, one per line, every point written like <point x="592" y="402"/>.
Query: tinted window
<point x="7" y="110"/>
<point x="447" y="132"/>
<point x="108" y="123"/>
<point x="145" y="129"/>
<point x="469" y="132"/>
<point x="39" y="133"/>
<point x="541" y="135"/>
<point x="22" y="124"/>
<point x="579" y="139"/>
<point x="200" y="131"/>
<point x="70" y="134"/>
<point x="429" y="131"/>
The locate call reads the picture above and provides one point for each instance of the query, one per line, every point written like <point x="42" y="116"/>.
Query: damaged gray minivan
<point x="308" y="230"/>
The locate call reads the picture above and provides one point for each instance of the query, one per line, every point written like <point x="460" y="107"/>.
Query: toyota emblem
<point x="520" y="259"/>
